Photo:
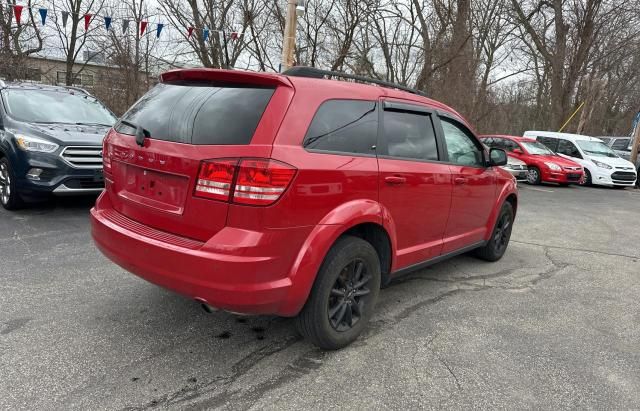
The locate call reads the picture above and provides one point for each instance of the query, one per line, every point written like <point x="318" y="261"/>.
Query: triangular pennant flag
<point x="189" y="32"/>
<point x="87" y="20"/>
<point x="107" y="22"/>
<point x="159" y="30"/>
<point x="143" y="27"/>
<point x="125" y="25"/>
<point x="234" y="35"/>
<point x="205" y="34"/>
<point x="65" y="17"/>
<point x="17" y="11"/>
<point x="43" y="15"/>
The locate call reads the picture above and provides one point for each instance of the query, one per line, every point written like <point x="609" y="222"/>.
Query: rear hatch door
<point x="198" y="116"/>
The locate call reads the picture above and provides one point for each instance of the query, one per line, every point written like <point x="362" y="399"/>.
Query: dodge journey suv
<point x="295" y="195"/>
<point x="50" y="142"/>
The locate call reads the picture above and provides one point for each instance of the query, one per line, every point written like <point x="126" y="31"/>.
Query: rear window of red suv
<point x="195" y="113"/>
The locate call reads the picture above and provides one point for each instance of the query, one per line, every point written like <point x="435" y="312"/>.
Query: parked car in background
<point x="50" y="142"/>
<point x="620" y="145"/>
<point x="515" y="167"/>
<point x="601" y="164"/>
<point x="295" y="195"/>
<point x="543" y="164"/>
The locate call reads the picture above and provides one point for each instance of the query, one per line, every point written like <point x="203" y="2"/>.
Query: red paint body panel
<point x="264" y="259"/>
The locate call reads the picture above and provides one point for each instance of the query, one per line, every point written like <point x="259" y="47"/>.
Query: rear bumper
<point x="236" y="270"/>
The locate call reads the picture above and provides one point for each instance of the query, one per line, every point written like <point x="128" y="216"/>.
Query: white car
<point x="601" y="164"/>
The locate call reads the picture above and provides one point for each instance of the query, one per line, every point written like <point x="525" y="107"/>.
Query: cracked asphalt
<point x="555" y="324"/>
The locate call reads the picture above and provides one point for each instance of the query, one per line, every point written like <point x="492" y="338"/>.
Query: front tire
<point x="533" y="175"/>
<point x="586" y="181"/>
<point x="343" y="296"/>
<point x="497" y="244"/>
<point x="9" y="197"/>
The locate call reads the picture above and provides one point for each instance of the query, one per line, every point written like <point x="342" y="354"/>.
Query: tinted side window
<point x="496" y="143"/>
<point x="409" y="135"/>
<point x="460" y="145"/>
<point x="568" y="148"/>
<point x="550" y="142"/>
<point x="512" y="145"/>
<point x="199" y="114"/>
<point x="347" y="126"/>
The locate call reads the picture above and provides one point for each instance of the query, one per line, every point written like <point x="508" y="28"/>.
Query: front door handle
<point x="460" y="180"/>
<point x="395" y="180"/>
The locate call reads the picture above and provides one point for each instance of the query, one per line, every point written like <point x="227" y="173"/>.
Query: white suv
<point x="601" y="164"/>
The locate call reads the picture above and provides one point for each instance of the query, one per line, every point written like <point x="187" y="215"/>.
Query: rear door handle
<point x="395" y="180"/>
<point x="460" y="180"/>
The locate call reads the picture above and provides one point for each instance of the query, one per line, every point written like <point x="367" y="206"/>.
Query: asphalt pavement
<point x="555" y="324"/>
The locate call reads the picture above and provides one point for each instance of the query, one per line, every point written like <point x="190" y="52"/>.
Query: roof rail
<point x="80" y="89"/>
<point x="312" y="72"/>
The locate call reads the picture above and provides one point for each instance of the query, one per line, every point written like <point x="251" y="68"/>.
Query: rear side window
<point x="550" y="142"/>
<point x="199" y="114"/>
<point x="345" y="126"/>
<point x="568" y="148"/>
<point x="410" y="135"/>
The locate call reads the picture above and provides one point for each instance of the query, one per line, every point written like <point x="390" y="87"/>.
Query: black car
<point x="50" y="142"/>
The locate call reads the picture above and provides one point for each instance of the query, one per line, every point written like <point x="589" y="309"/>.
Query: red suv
<point x="544" y="165"/>
<point x="295" y="195"/>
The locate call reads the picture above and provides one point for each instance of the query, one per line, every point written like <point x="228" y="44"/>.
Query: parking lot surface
<point x="554" y="324"/>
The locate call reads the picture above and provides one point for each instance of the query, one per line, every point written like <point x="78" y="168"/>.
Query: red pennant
<point x="189" y="32"/>
<point x="234" y="35"/>
<point x="87" y="20"/>
<point x="143" y="27"/>
<point x="17" y="11"/>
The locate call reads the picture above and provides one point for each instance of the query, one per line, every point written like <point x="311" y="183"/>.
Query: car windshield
<point x="52" y="106"/>
<point x="596" y="148"/>
<point x="536" y="149"/>
<point x="621" y="144"/>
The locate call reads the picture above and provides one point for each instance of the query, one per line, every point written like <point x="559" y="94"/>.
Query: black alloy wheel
<point x="343" y="296"/>
<point x="349" y="296"/>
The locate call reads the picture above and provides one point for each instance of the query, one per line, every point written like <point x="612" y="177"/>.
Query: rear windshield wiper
<point x="141" y="133"/>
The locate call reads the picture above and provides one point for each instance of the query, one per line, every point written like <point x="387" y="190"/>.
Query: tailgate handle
<point x="395" y="180"/>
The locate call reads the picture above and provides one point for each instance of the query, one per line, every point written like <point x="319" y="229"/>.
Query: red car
<point x="544" y="165"/>
<point x="295" y="195"/>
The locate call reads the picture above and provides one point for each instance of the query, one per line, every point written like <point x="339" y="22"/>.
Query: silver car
<point x="517" y="168"/>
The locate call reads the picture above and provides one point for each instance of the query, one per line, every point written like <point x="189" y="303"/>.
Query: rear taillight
<point x="246" y="181"/>
<point x="215" y="179"/>
<point x="106" y="156"/>
<point x="261" y="182"/>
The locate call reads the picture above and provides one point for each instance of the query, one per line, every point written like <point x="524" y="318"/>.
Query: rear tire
<point x="533" y="175"/>
<point x="497" y="244"/>
<point x="343" y="296"/>
<point x="9" y="197"/>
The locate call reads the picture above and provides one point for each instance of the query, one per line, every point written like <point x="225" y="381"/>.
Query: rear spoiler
<point x="225" y="76"/>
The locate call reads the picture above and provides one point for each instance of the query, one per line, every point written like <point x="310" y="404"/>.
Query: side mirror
<point x="497" y="157"/>
<point x="517" y="151"/>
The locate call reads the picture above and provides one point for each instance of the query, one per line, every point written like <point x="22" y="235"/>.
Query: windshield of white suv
<point x="53" y="106"/>
<point x="596" y="148"/>
<point x="536" y="149"/>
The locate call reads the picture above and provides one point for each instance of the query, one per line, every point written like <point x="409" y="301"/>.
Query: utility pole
<point x="289" y="40"/>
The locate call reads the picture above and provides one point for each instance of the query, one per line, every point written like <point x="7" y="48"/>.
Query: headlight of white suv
<point x="28" y="143"/>
<point x="553" y="166"/>
<point x="601" y="164"/>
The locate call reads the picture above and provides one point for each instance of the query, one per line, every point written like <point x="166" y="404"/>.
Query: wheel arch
<point x="360" y="218"/>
